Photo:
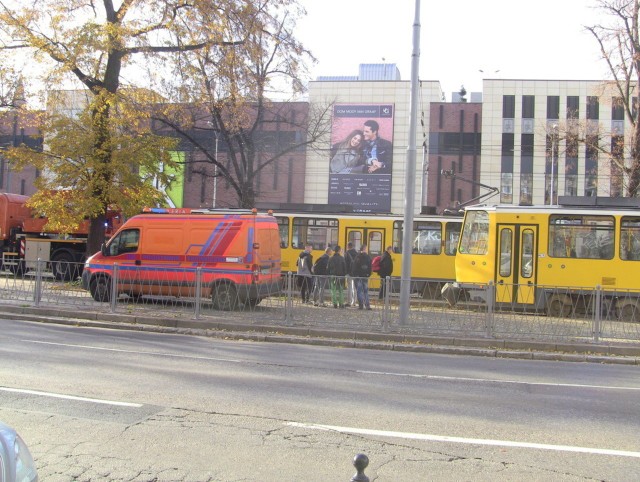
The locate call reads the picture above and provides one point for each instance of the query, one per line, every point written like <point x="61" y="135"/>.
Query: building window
<point x="553" y="107"/>
<point x="617" y="109"/>
<point x="571" y="166"/>
<point x="591" y="166"/>
<point x="593" y="108"/>
<point x="617" y="152"/>
<point x="506" y="188"/>
<point x="508" y="106"/>
<point x="528" y="106"/>
<point x="573" y="107"/>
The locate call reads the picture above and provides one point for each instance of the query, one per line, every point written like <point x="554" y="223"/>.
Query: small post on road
<point x="597" y="312"/>
<point x="37" y="292"/>
<point x="360" y="462"/>
<point x="114" y="289"/>
<point x="198" y="291"/>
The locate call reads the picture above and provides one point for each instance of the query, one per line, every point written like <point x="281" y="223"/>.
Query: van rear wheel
<point x="100" y="289"/>
<point x="224" y="297"/>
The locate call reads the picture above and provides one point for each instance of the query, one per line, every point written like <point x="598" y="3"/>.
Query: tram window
<point x="630" y="238"/>
<point x="581" y="236"/>
<point x="283" y="228"/>
<point x="526" y="261"/>
<point x="397" y="237"/>
<point x="506" y="238"/>
<point x="428" y="237"/>
<point x="475" y="233"/>
<point x="452" y="236"/>
<point x="318" y="232"/>
<point x="355" y="237"/>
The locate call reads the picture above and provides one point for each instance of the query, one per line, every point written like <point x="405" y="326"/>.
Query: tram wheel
<point x="629" y="310"/>
<point x="559" y="306"/>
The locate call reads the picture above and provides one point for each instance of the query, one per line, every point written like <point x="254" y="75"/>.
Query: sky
<point x="507" y="39"/>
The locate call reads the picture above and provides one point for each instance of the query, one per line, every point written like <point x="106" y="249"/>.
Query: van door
<point x="516" y="263"/>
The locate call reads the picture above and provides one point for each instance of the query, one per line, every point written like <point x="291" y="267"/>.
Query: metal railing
<point x="516" y="312"/>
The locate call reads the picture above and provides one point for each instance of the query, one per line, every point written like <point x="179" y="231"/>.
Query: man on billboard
<point x="377" y="151"/>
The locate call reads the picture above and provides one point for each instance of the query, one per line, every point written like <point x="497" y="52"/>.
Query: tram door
<point x="516" y="268"/>
<point x="372" y="237"/>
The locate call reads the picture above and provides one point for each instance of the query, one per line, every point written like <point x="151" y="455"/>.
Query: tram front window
<point x="475" y="233"/>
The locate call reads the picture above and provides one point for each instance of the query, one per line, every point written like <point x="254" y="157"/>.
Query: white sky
<point x="540" y="39"/>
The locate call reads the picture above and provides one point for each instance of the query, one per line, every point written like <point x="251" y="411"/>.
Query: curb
<point x="496" y="348"/>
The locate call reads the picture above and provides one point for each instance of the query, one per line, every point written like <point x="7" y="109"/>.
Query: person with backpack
<point x="360" y="272"/>
<point x="320" y="272"/>
<point x="386" y="268"/>
<point x="305" y="280"/>
<point x="337" y="272"/>
<point x="349" y="256"/>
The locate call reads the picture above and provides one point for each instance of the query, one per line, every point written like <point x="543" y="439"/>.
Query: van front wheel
<point x="224" y="297"/>
<point x="100" y="289"/>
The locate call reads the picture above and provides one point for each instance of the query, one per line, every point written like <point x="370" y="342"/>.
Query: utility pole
<point x="409" y="178"/>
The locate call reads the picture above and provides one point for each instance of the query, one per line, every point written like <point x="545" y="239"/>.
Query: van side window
<point x="124" y="242"/>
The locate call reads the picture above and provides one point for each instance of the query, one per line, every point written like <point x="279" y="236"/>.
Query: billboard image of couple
<point x="361" y="156"/>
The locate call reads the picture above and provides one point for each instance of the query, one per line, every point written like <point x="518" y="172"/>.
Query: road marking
<point x="462" y="440"/>
<point x="71" y="397"/>
<point x="137" y="352"/>
<point x="493" y="380"/>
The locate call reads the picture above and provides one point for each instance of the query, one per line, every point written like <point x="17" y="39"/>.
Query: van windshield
<point x="124" y="242"/>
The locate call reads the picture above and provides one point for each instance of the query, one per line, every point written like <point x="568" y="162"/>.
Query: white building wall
<point x="373" y="92"/>
<point x="492" y="129"/>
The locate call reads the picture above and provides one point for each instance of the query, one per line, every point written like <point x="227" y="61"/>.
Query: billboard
<point x="361" y="157"/>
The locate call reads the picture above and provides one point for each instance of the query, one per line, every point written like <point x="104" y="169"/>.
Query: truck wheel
<point x="100" y="288"/>
<point x="224" y="297"/>
<point x="64" y="268"/>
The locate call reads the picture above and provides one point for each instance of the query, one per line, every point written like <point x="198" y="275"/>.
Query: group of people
<point x="362" y="151"/>
<point x="334" y="269"/>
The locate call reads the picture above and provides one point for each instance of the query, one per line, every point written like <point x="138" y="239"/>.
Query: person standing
<point x="361" y="272"/>
<point x="337" y="272"/>
<point x="304" y="263"/>
<point x="386" y="268"/>
<point x="349" y="256"/>
<point x="320" y="272"/>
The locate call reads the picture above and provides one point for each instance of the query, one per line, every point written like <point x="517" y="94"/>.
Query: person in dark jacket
<point x="337" y="272"/>
<point x="320" y="277"/>
<point x="386" y="268"/>
<point x="305" y="277"/>
<point x="361" y="270"/>
<point x="349" y="255"/>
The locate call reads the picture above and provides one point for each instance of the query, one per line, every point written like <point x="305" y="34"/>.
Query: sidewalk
<point x="358" y="337"/>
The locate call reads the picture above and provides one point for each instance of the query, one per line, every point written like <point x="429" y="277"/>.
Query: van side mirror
<point x="103" y="249"/>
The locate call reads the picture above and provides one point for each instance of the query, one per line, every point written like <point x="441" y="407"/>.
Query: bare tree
<point x="230" y="93"/>
<point x="619" y="43"/>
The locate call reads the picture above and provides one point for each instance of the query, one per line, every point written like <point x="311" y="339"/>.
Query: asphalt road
<point x="98" y="404"/>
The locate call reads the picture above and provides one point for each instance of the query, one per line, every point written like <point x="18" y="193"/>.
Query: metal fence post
<point x="37" y="289"/>
<point x="597" y="314"/>
<point x="114" y="288"/>
<point x="491" y="301"/>
<point x="198" y="291"/>
<point x="288" y="301"/>
<point x="386" y="307"/>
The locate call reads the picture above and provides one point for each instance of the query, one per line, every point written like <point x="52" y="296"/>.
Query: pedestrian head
<point x="389" y="249"/>
<point x="328" y="251"/>
<point x="308" y="247"/>
<point x="349" y="245"/>
<point x="363" y="248"/>
<point x="337" y="249"/>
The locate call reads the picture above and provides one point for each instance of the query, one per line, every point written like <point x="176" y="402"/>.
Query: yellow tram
<point x="434" y="244"/>
<point x="531" y="251"/>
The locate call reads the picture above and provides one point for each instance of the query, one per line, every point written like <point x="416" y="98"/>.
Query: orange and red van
<point x="231" y="256"/>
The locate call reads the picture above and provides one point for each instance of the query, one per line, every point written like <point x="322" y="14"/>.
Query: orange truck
<point x="24" y="239"/>
<point x="233" y="257"/>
